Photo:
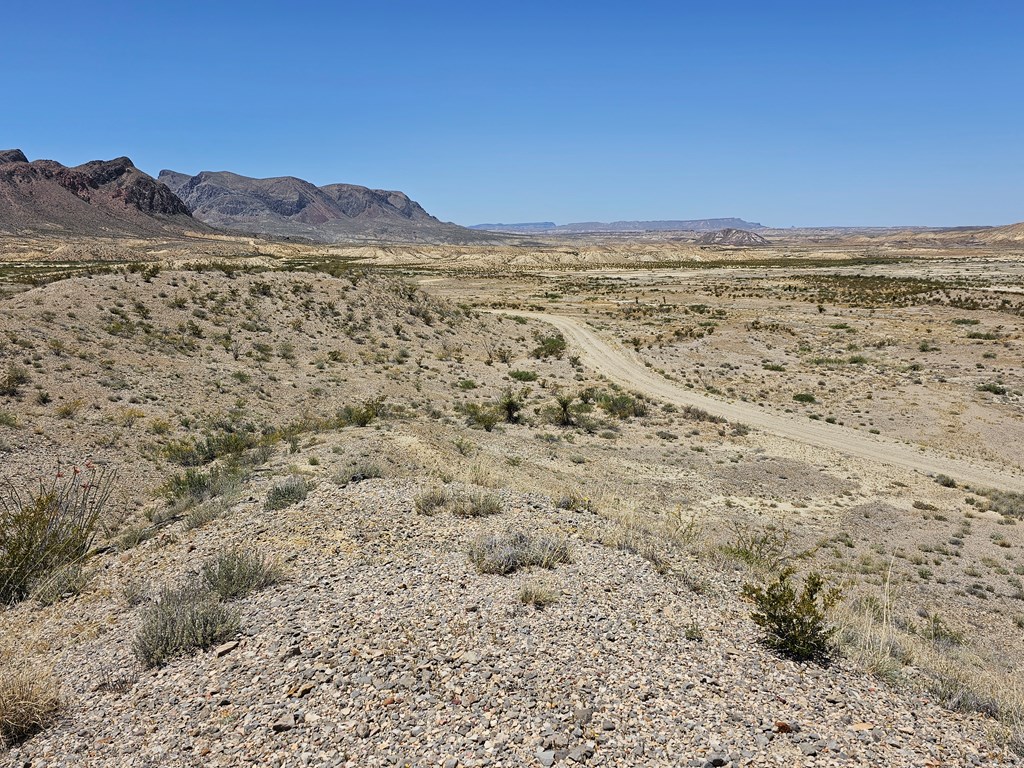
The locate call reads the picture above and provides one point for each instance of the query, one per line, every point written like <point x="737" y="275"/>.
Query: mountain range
<point x="286" y="206"/>
<point x="671" y="225"/>
<point x="101" y="198"/>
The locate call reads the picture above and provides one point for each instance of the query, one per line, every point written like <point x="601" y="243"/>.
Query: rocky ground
<point x="386" y="647"/>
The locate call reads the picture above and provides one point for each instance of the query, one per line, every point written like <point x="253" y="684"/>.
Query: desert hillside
<point x="421" y="525"/>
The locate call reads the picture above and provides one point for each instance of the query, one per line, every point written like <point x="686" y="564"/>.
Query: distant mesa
<point x="286" y="206"/>
<point x="729" y="236"/>
<point x="101" y="197"/>
<point x="583" y="227"/>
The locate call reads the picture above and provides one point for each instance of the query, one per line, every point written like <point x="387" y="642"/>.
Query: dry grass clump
<point x="476" y="505"/>
<point x="358" y="473"/>
<point x="538" y="594"/>
<point x="432" y="501"/>
<point x="928" y="655"/>
<point x="505" y="553"/>
<point x="29" y="699"/>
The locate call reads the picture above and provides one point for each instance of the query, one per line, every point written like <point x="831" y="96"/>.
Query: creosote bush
<point x="794" y="624"/>
<point x="506" y="553"/>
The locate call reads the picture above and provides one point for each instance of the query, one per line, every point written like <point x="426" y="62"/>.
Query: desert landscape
<point x="665" y="497"/>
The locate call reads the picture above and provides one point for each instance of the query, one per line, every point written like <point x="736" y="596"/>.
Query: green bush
<point x="511" y="403"/>
<point x="805" y="397"/>
<point x="794" y="624"/>
<point x="622" y="405"/>
<point x="523" y="375"/>
<point x="236" y="572"/>
<point x="46" y="529"/>
<point x="550" y="346"/>
<point x="180" y="620"/>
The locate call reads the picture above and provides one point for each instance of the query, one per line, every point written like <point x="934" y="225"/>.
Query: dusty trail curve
<point x="624" y="367"/>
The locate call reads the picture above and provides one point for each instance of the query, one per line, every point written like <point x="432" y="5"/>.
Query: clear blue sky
<point x="788" y="113"/>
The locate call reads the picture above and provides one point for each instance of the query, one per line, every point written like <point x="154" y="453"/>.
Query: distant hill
<point x="684" y="225"/>
<point x="98" y="198"/>
<point x="1012" y="233"/>
<point x="286" y="206"/>
<point x="739" y="237"/>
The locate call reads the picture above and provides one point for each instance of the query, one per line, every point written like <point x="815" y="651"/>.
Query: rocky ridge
<point x="286" y="206"/>
<point x="101" y="197"/>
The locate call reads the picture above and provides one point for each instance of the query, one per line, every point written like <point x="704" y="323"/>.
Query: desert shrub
<point x="13" y="380"/>
<point x="506" y="553"/>
<point x="191" y="452"/>
<point x="432" y="501"/>
<point x="794" y="624"/>
<point x="945" y="481"/>
<point x="1006" y="503"/>
<point x="992" y="387"/>
<point x="358" y="473"/>
<point x="622" y="405"/>
<point x="477" y="415"/>
<point x="550" y="346"/>
<point x="287" y="492"/>
<point x="361" y="415"/>
<point x="523" y="376"/>
<point x="236" y="572"/>
<point x="759" y="548"/>
<point x="511" y="402"/>
<point x="29" y="699"/>
<point x="476" y="505"/>
<point x="194" y="486"/>
<point x="537" y="594"/>
<point x="805" y="397"/>
<point x="47" y="528"/>
<point x="693" y="413"/>
<point x="180" y="620"/>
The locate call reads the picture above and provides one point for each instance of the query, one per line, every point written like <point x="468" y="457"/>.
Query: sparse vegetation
<point x="795" y="623"/>
<point x="286" y="492"/>
<point x="505" y="553"/>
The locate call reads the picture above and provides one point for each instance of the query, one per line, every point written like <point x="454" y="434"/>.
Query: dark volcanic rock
<point x="286" y="206"/>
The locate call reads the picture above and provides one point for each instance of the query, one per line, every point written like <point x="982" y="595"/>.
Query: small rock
<point x="226" y="648"/>
<point x="285" y="723"/>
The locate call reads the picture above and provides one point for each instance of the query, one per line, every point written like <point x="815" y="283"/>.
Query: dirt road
<point x="624" y="367"/>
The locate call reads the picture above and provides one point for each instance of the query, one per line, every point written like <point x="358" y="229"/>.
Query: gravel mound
<point x="385" y="647"/>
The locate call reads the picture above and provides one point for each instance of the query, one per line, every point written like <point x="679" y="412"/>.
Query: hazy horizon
<point x="796" y="114"/>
